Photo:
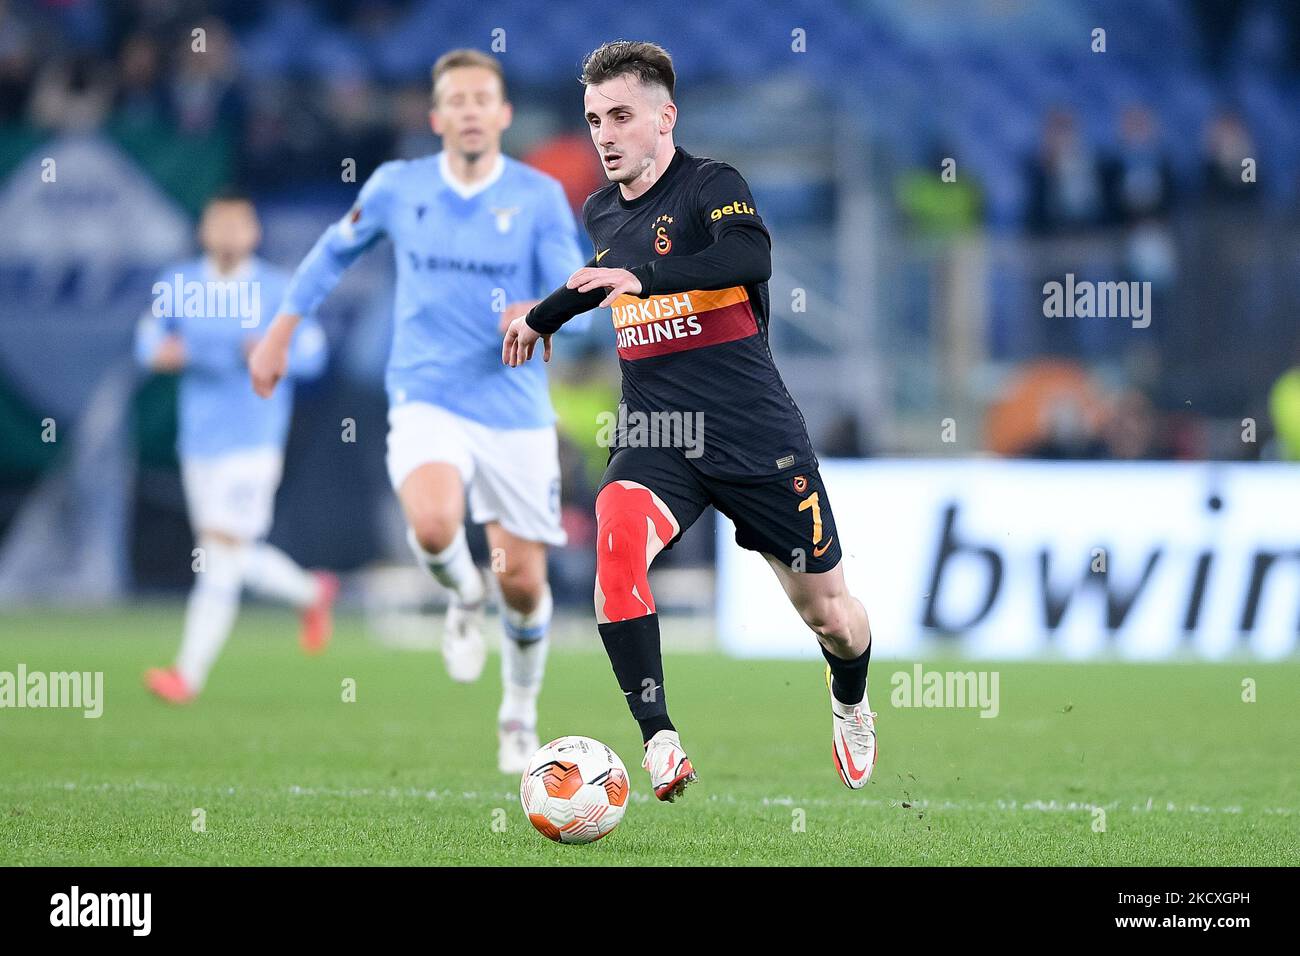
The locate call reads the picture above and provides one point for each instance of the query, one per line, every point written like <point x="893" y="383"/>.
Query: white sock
<point x="453" y="567"/>
<point x="210" y="612"/>
<point x="523" y="662"/>
<point x="273" y="574"/>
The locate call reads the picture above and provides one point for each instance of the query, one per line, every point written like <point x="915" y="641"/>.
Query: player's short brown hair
<point x="648" y="62"/>
<point x="465" y="56"/>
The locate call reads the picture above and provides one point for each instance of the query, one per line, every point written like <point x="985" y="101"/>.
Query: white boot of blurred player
<point x="463" y="647"/>
<point x="523" y="664"/>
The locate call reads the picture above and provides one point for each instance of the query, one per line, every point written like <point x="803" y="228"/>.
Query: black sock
<point x="848" y="678"/>
<point x="633" y="649"/>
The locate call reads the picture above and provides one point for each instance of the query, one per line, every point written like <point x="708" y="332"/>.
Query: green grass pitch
<point x="286" y="772"/>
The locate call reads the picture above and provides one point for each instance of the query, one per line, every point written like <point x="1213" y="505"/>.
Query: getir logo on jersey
<point x="672" y="323"/>
<point x="737" y="208"/>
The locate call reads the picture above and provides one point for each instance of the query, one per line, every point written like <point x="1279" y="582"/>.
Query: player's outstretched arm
<point x="269" y="360"/>
<point x="308" y="351"/>
<point x="341" y="244"/>
<point x="317" y="275"/>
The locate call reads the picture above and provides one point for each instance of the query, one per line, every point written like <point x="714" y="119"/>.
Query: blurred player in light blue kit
<point x="477" y="237"/>
<point x="206" y="318"/>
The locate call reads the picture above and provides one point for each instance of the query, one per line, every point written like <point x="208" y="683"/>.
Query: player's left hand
<point x="520" y="341"/>
<point x="617" y="281"/>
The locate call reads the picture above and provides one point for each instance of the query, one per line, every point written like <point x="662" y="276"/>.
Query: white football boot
<point x="463" y="647"/>
<point x="670" y="768"/>
<point x="517" y="743"/>
<point x="853" y="730"/>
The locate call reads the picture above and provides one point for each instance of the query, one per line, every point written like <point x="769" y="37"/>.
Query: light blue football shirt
<point x="462" y="256"/>
<point x="218" y="317"/>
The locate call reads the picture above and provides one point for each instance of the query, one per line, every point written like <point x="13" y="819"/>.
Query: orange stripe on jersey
<point x="629" y="310"/>
<point x="660" y="324"/>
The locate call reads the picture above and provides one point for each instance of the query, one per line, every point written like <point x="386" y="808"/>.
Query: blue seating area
<point x="980" y="76"/>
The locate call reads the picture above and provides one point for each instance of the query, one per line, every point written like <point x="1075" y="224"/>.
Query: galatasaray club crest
<point x="800" y="484"/>
<point x="662" y="242"/>
<point x="504" y="217"/>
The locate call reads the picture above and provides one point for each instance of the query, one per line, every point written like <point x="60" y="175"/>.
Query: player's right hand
<point x="520" y="341"/>
<point x="268" y="362"/>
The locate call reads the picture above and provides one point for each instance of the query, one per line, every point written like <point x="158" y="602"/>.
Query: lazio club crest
<point x="504" y="218"/>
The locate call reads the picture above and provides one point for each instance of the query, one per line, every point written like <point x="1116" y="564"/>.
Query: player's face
<point x="229" y="231"/>
<point x="626" y="118"/>
<point x="470" y="111"/>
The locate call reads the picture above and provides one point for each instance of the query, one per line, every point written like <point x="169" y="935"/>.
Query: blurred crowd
<point x="134" y="73"/>
<point x="76" y="65"/>
<point x="259" y="111"/>
<point x="1072" y="187"/>
<point x="130" y="69"/>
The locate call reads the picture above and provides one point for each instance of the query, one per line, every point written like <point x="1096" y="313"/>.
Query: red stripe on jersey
<point x="683" y="332"/>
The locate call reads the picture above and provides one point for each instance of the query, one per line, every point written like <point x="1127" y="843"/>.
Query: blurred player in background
<point x="477" y="236"/>
<point x="206" y="319"/>
<point x="684" y="259"/>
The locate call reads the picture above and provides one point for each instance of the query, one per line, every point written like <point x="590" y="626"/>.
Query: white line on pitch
<point x="958" y="806"/>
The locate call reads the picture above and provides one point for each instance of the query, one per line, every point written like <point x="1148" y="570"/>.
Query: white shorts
<point x="233" y="493"/>
<point x="512" y="474"/>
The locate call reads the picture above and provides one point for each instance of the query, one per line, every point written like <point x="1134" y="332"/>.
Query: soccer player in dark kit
<point x="683" y="258"/>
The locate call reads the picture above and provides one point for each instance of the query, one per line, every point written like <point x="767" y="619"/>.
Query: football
<point x="574" y="790"/>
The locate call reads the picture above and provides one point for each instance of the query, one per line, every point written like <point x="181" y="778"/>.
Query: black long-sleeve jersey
<point x="696" y="339"/>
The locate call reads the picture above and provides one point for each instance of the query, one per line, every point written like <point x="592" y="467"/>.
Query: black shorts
<point x="787" y="517"/>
